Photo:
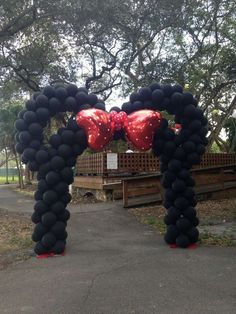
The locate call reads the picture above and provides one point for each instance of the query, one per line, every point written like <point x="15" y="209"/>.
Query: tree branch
<point x="19" y="23"/>
<point x="215" y="133"/>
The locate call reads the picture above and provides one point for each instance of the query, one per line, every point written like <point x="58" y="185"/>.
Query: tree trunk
<point x="7" y="172"/>
<point x="19" y="170"/>
<point x="21" y="174"/>
<point x="27" y="176"/>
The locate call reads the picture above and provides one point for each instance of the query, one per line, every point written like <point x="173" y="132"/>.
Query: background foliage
<point x="119" y="46"/>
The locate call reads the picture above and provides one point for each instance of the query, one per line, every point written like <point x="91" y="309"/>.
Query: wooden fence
<point x="97" y="164"/>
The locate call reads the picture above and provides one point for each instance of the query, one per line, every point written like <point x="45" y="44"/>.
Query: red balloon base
<point x="47" y="255"/>
<point x="192" y="246"/>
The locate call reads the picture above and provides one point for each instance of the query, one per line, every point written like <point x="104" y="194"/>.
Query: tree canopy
<point x="110" y="45"/>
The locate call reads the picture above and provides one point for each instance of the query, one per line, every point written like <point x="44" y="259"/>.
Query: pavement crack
<point x="93" y="280"/>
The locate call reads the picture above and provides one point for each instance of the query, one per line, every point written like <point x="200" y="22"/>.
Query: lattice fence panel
<point x="140" y="163"/>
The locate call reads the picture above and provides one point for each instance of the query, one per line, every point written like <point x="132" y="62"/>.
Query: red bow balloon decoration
<point x="100" y="126"/>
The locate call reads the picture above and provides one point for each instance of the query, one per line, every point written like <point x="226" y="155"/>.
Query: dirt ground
<point x="15" y="238"/>
<point x="217" y="220"/>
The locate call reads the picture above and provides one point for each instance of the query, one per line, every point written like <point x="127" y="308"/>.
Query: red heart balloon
<point x="140" y="128"/>
<point x="97" y="126"/>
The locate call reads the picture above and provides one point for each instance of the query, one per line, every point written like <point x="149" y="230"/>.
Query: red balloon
<point x="97" y="126"/>
<point x="100" y="126"/>
<point x="141" y="126"/>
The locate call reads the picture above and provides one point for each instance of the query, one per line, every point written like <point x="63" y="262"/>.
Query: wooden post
<point x="125" y="193"/>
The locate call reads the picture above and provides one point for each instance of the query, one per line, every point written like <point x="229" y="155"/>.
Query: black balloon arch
<point x="53" y="161"/>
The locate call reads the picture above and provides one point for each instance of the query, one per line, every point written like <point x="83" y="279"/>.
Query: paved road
<point x="114" y="265"/>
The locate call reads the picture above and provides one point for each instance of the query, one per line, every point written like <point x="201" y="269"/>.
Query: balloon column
<point x="89" y="124"/>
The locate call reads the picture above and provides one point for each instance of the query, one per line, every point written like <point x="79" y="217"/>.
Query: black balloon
<point x="42" y="185"/>
<point x="67" y="175"/>
<point x="41" y="156"/>
<point x="66" y="198"/>
<point x="61" y="187"/>
<point x="54" y="106"/>
<point x="43" y="114"/>
<point x="181" y="203"/>
<point x="167" y="90"/>
<point x="39" y="248"/>
<point x="71" y="162"/>
<point x="35" y="128"/>
<point x="50" y="197"/>
<point x="68" y="137"/>
<point x="41" y="207"/>
<point x="58" y="229"/>
<point x="187" y="98"/>
<point x="145" y="93"/>
<point x="36" y="218"/>
<point x="19" y="148"/>
<point x="157" y="96"/>
<point x="49" y="91"/>
<point x="33" y="166"/>
<point x="171" y="234"/>
<point x="178" y="186"/>
<point x="58" y="207"/>
<point x="189" y="147"/>
<point x="195" y="125"/>
<point x="182" y="241"/>
<point x="72" y="89"/>
<point x="25" y="137"/>
<point x="77" y="149"/>
<point x="65" y="151"/>
<point x="35" y="144"/>
<point x="64" y="216"/>
<point x="52" y="177"/>
<point x="183" y="224"/>
<point x="30" y="117"/>
<point x="193" y="234"/>
<point x="30" y="105"/>
<point x="49" y="240"/>
<point x="41" y="101"/>
<point x="49" y="219"/>
<point x="72" y="125"/>
<point x="155" y="85"/>
<point x="190" y="213"/>
<point x="29" y="154"/>
<point x="92" y="99"/>
<point x="81" y="97"/>
<point x="169" y="148"/>
<point x="55" y="140"/>
<point x="39" y="231"/>
<point x="175" y="165"/>
<point x="43" y="170"/>
<point x="57" y="163"/>
<point x="38" y="195"/>
<point x="71" y="104"/>
<point x="21" y="125"/>
<point x="170" y="194"/>
<point x="134" y="97"/>
<point x="61" y="93"/>
<point x="59" y="247"/>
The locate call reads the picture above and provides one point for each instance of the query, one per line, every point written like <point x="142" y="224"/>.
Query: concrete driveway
<point x="113" y="264"/>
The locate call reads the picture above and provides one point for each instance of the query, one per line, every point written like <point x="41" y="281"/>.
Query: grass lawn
<point x="3" y="179"/>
